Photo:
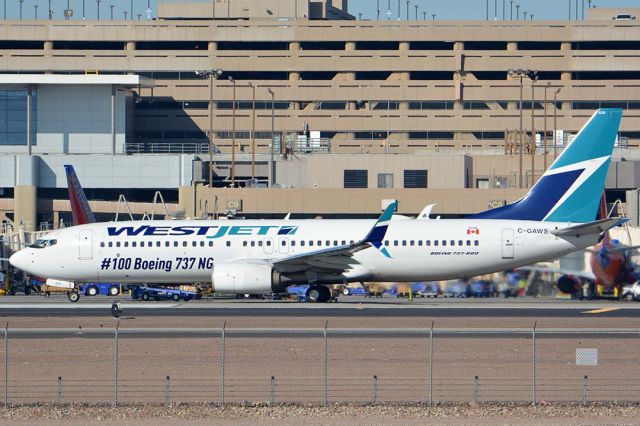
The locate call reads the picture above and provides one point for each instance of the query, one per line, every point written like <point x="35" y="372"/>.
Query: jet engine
<point x="247" y="278"/>
<point x="569" y="284"/>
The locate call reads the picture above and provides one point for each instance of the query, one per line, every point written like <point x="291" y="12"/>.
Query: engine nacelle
<point x="246" y="278"/>
<point x="569" y="284"/>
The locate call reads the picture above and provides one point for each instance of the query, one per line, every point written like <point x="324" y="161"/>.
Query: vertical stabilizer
<point x="80" y="211"/>
<point x="569" y="191"/>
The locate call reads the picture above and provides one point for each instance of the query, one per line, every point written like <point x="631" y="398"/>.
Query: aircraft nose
<point x="19" y="260"/>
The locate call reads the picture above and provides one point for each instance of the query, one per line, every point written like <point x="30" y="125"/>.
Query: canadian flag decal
<point x="473" y="230"/>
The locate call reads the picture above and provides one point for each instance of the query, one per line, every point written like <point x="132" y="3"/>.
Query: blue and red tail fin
<point x="569" y="191"/>
<point x="80" y="211"/>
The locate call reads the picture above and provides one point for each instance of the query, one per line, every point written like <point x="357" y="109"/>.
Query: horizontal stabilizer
<point x="597" y="227"/>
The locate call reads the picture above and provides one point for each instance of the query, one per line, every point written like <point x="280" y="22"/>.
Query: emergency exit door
<point x="507" y="243"/>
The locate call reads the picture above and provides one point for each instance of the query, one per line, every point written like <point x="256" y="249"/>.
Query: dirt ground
<point x="201" y="414"/>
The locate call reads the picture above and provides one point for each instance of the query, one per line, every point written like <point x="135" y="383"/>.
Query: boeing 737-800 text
<point x="554" y="218"/>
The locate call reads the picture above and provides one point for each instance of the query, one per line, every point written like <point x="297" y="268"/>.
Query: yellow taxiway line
<point x="600" y="311"/>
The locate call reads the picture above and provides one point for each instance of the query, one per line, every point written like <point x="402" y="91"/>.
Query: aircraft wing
<point x="582" y="274"/>
<point x="338" y="259"/>
<point x="596" y="227"/>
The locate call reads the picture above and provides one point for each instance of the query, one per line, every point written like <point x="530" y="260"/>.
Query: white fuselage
<point x="187" y="251"/>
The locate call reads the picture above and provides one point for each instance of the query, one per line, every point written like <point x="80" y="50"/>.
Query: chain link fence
<point x="158" y="365"/>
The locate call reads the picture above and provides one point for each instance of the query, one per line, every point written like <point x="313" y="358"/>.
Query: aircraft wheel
<point x="73" y="296"/>
<point x="318" y="294"/>
<point x="114" y="290"/>
<point x="325" y="294"/>
<point x="92" y="291"/>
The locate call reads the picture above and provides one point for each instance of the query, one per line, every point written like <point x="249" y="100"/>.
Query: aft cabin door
<point x="507" y="244"/>
<point x="85" y="245"/>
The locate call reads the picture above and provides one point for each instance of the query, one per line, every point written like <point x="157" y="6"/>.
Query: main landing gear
<point x="318" y="293"/>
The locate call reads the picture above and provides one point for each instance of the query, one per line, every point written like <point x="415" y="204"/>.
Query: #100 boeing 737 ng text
<point x="554" y="218"/>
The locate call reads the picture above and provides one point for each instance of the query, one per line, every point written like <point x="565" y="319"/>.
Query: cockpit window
<point x="42" y="243"/>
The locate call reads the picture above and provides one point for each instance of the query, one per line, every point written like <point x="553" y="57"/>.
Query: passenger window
<point x="460" y="243"/>
<point x="444" y="243"/>
<point x="293" y="243"/>
<point x="404" y="243"/>
<point x="244" y="244"/>
<point x="268" y="243"/>
<point x="118" y="244"/>
<point x="302" y="243"/>
<point x="435" y="243"/>
<point x="420" y="243"/>
<point x="386" y="243"/>
<point x="335" y="243"/>
<point x="184" y="244"/>
<point x="210" y="243"/>
<point x="468" y="242"/>
<point x="194" y="243"/>
<point x="141" y="244"/>
<point x="319" y="243"/>
<point x="428" y="243"/>
<point x="395" y="243"/>
<point x="411" y="243"/>
<point x="175" y="244"/>
<point x="201" y="243"/>
<point x="126" y="243"/>
<point x="453" y="242"/>
<point x="283" y="243"/>
<point x="110" y="244"/>
<point x="260" y="243"/>
<point x="476" y="243"/>
<point x="344" y="243"/>
<point x="228" y="243"/>
<point x="102" y="244"/>
<point x="352" y="242"/>
<point x="253" y="243"/>
<point x="158" y="244"/>
<point x="310" y="243"/>
<point x="328" y="243"/>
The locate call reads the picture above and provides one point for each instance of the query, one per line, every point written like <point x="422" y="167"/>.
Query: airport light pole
<point x="111" y="6"/>
<point x="511" y="10"/>
<point x="534" y="77"/>
<point x="35" y="11"/>
<point x="520" y="74"/>
<point x="555" y="123"/>
<point x="233" y="136"/>
<point x="273" y="141"/>
<point x="546" y="86"/>
<point x="21" y="1"/>
<point x="98" y="6"/>
<point x="253" y="135"/>
<point x="211" y="75"/>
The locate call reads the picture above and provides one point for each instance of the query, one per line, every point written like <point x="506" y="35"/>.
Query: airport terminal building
<point x="423" y="111"/>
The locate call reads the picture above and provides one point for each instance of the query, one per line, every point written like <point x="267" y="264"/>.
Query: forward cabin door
<point x="507" y="243"/>
<point x="85" y="245"/>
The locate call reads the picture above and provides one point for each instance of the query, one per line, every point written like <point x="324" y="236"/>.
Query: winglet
<point x="379" y="230"/>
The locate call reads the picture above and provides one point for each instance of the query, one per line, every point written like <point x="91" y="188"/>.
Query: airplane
<point x="556" y="217"/>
